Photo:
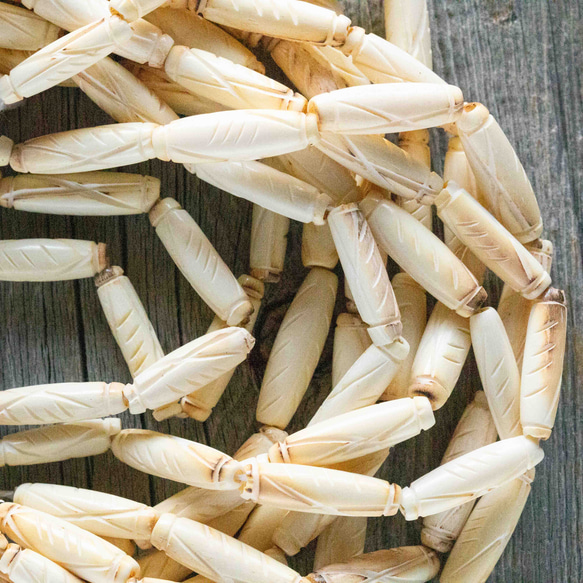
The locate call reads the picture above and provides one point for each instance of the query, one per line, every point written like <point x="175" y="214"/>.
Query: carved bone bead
<point x="158" y="563"/>
<point x="350" y="341"/>
<point x="148" y="44"/>
<point x="268" y="244"/>
<point x="69" y="14"/>
<point x="341" y="541"/>
<point x="260" y="526"/>
<point x="343" y="66"/>
<point x="23" y="30"/>
<point x="469" y="476"/>
<point x="542" y="366"/>
<point x="9" y="58"/>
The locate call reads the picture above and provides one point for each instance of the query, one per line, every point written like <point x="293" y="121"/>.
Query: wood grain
<point x="523" y="60"/>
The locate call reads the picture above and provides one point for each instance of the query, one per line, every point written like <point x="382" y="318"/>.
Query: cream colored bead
<point x="81" y="552"/>
<point x="365" y="271"/>
<point x="6" y="149"/>
<point x="50" y="259"/>
<point x="97" y="512"/>
<point x="85" y="194"/>
<point x="407" y="26"/>
<point x="199" y="262"/>
<point x="318" y="249"/>
<point x="158" y="564"/>
<point x="61" y="402"/>
<point x="318" y="490"/>
<point x="343" y="66"/>
<point x="387" y="108"/>
<point x="341" y="541"/>
<point x="422" y="255"/>
<point x="123" y="544"/>
<point x="260" y="442"/>
<point x="412" y="564"/>
<point x="64" y="58"/>
<point x="231" y="522"/>
<point x="491" y="242"/>
<point x="298" y="529"/>
<point x="23" y="30"/>
<point x="26" y="566"/>
<point x="268" y="244"/>
<point x="542" y="366"/>
<point x="134" y="9"/>
<point x="215" y="555"/>
<point x="475" y="429"/>
<point x="487" y="532"/>
<point x="498" y="371"/>
<point x="499" y="174"/>
<point x="469" y="476"/>
<point x="355" y="434"/>
<point x="200" y="403"/>
<point x="128" y="320"/>
<point x="177" y="459"/>
<point x="260" y="526"/>
<point x="148" y="44"/>
<point x="56" y="443"/>
<point x="350" y="341"/>
<point x="69" y="14"/>
<point x="9" y="58"/>
<point x="297" y="348"/>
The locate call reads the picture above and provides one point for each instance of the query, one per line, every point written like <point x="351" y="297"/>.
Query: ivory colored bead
<point x="157" y="564"/>
<point x="297" y="348"/>
<point x="231" y="522"/>
<point x="50" y="259"/>
<point x="123" y="544"/>
<point x="215" y="555"/>
<point x="355" y="434"/>
<point x="412" y="564"/>
<point x="475" y="429"/>
<point x="365" y="381"/>
<point x="491" y="242"/>
<point x="9" y="58"/>
<point x="268" y="244"/>
<point x="387" y="108"/>
<point x="350" y="341"/>
<point x="498" y="371"/>
<point x="63" y="58"/>
<point x="177" y="459"/>
<point x="97" y="512"/>
<point x="260" y="526"/>
<point x="128" y="320"/>
<point x="487" y="532"/>
<point x="56" y="443"/>
<point x="542" y="366"/>
<point x="318" y="249"/>
<point x="407" y="26"/>
<point x="469" y="476"/>
<point x="80" y="552"/>
<point x="343" y="66"/>
<point x="148" y="44"/>
<point x="499" y="174"/>
<point x="341" y="541"/>
<point x="23" y="30"/>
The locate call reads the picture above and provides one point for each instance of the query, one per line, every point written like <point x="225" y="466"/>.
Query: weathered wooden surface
<point x="523" y="60"/>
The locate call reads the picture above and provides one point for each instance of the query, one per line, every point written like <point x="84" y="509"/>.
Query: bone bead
<point x="26" y="566"/>
<point x="63" y="58"/>
<point x="355" y="434"/>
<point x="412" y="564"/>
<point x="297" y="348"/>
<point x="199" y="404"/>
<point x="475" y="429"/>
<point x="318" y="490"/>
<point x="341" y="541"/>
<point x="260" y="526"/>
<point x="148" y="44"/>
<point x="80" y="552"/>
<point x="123" y="544"/>
<point x="215" y="555"/>
<point x="491" y="242"/>
<point x="9" y="58"/>
<point x="486" y="533"/>
<point x="469" y="476"/>
<point x="175" y="458"/>
<point x="231" y="522"/>
<point x="407" y="26"/>
<point x="268" y="244"/>
<point x="351" y="339"/>
<point x="343" y="66"/>
<point x="318" y="249"/>
<point x="128" y="320"/>
<point x="23" y="30"/>
<point x="387" y="108"/>
<point x="499" y="174"/>
<point x="158" y="563"/>
<point x="542" y="366"/>
<point x="498" y="371"/>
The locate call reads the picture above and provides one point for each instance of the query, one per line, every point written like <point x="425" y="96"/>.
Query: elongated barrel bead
<point x="341" y="541"/>
<point x="268" y="244"/>
<point x="23" y="30"/>
<point x="350" y="341"/>
<point x="260" y="526"/>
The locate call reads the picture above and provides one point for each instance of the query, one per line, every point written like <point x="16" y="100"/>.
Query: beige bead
<point x="260" y="526"/>
<point x="128" y="320"/>
<point x="268" y="244"/>
<point x="6" y="149"/>
<point x="97" y="512"/>
<point x="81" y="552"/>
<point x="260" y="442"/>
<point x="343" y="66"/>
<point x="387" y="107"/>
<point x="69" y="14"/>
<point x="412" y="564"/>
<point x="297" y="348"/>
<point x="64" y="58"/>
<point x="499" y="174"/>
<point x="123" y="544"/>
<point x="341" y="541"/>
<point x="487" y="532"/>
<point x="56" y="443"/>
<point x="134" y="9"/>
<point x="231" y="522"/>
<point x="422" y="255"/>
<point x="542" y="366"/>
<point x="498" y="371"/>
<point x="491" y="242"/>
<point x="147" y="45"/>
<point x="318" y="249"/>
<point x="23" y="30"/>
<point x="469" y="476"/>
<point x="355" y="434"/>
<point x="407" y="26"/>
<point x="351" y="339"/>
<point x="9" y="58"/>
<point x="215" y="555"/>
<point x="158" y="563"/>
<point x="50" y="259"/>
<point x="475" y="429"/>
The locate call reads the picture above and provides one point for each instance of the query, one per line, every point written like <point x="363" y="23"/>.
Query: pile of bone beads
<point x="319" y="157"/>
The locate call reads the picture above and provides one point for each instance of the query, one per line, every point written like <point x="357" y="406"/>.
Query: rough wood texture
<point x="523" y="61"/>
